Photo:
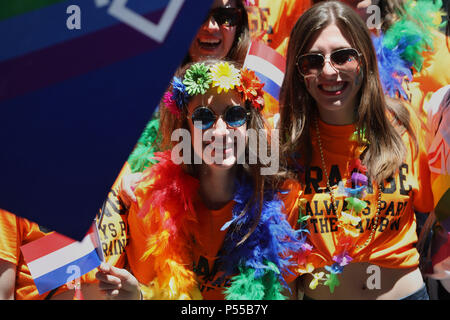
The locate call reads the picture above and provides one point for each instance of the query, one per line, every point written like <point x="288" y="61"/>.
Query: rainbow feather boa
<point x="256" y="266"/>
<point x="401" y="48"/>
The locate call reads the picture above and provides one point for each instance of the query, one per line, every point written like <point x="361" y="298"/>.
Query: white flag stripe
<point x="264" y="67"/>
<point x="60" y="257"/>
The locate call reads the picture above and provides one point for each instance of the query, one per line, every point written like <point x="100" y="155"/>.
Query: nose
<point x="220" y="127"/>
<point x="210" y="24"/>
<point x="328" y="70"/>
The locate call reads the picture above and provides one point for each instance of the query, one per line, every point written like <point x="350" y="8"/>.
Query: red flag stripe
<point x="267" y="53"/>
<point x="43" y="246"/>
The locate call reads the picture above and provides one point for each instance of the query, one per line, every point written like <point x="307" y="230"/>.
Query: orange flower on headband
<point x="251" y="88"/>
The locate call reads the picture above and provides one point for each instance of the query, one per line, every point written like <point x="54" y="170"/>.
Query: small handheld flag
<point x="269" y="66"/>
<point x="55" y="259"/>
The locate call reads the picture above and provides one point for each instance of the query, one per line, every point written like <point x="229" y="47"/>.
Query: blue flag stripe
<point x="270" y="86"/>
<point x="60" y="276"/>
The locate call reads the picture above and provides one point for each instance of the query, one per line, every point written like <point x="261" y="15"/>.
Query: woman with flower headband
<point x="223" y="35"/>
<point x="361" y="171"/>
<point x="209" y="228"/>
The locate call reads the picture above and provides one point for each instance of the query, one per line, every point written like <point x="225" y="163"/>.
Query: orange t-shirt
<point x="205" y="248"/>
<point x="14" y="233"/>
<point x="393" y="243"/>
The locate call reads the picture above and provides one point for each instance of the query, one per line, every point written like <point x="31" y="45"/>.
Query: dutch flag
<point x="269" y="67"/>
<point x="54" y="259"/>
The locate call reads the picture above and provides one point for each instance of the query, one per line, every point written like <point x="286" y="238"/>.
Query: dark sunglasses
<point x="234" y="117"/>
<point x="345" y="60"/>
<point x="225" y="16"/>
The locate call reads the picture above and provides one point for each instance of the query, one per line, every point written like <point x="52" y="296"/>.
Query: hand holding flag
<point x="55" y="259"/>
<point x="118" y="283"/>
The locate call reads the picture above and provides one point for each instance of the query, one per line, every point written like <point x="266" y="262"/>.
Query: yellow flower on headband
<point x="224" y="76"/>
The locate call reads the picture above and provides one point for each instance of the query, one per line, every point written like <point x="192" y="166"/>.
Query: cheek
<point x="228" y="38"/>
<point x="310" y="83"/>
<point x="196" y="139"/>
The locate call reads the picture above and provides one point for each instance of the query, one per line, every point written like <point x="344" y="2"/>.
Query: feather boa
<point x="142" y="155"/>
<point x="414" y="39"/>
<point x="256" y="266"/>
<point x="167" y="210"/>
<point x="392" y="68"/>
<point x="263" y="258"/>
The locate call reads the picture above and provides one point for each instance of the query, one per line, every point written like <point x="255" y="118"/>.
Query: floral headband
<point x="199" y="78"/>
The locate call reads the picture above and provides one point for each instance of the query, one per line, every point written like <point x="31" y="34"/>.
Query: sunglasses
<point x="234" y="117"/>
<point x="225" y="16"/>
<point x="345" y="60"/>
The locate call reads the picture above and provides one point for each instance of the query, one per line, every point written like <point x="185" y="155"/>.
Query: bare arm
<point x="7" y="280"/>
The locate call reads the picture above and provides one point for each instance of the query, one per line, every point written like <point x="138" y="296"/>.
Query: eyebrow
<point x="335" y="49"/>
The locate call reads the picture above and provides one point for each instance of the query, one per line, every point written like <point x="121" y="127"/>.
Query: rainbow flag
<point x="79" y="81"/>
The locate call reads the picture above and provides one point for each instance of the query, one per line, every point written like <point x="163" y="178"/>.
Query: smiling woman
<point x="208" y="229"/>
<point x="356" y="160"/>
<point x="224" y="33"/>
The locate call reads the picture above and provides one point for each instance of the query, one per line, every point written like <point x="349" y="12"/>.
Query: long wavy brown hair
<point x="385" y="149"/>
<point x="170" y="122"/>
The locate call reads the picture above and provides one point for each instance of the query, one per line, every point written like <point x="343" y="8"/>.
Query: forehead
<point x="215" y="101"/>
<point x="328" y="39"/>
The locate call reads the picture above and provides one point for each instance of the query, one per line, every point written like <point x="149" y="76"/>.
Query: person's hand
<point x="127" y="186"/>
<point x="118" y="283"/>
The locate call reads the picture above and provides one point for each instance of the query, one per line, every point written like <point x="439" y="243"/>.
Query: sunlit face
<point x="213" y="40"/>
<point x="220" y="137"/>
<point x="335" y="92"/>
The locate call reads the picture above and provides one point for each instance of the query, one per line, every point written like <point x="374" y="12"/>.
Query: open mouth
<point x="333" y="90"/>
<point x="209" y="44"/>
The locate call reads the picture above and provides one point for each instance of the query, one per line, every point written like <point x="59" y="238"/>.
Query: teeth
<point x="210" y="41"/>
<point x="333" y="88"/>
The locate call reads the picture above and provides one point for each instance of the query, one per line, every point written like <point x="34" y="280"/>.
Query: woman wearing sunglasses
<point x="208" y="227"/>
<point x="361" y="172"/>
<point x="223" y="34"/>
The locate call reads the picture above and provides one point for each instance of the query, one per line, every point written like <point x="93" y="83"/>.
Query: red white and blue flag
<point x="55" y="258"/>
<point x="269" y="67"/>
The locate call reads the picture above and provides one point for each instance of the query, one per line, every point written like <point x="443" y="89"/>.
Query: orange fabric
<point x="204" y="251"/>
<point x="431" y="78"/>
<point x="393" y="243"/>
<point x="434" y="73"/>
<point x="437" y="144"/>
<point x="272" y="21"/>
<point x="15" y="232"/>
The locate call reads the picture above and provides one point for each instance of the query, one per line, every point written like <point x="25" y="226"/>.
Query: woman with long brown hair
<point x="207" y="223"/>
<point x="358" y="161"/>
